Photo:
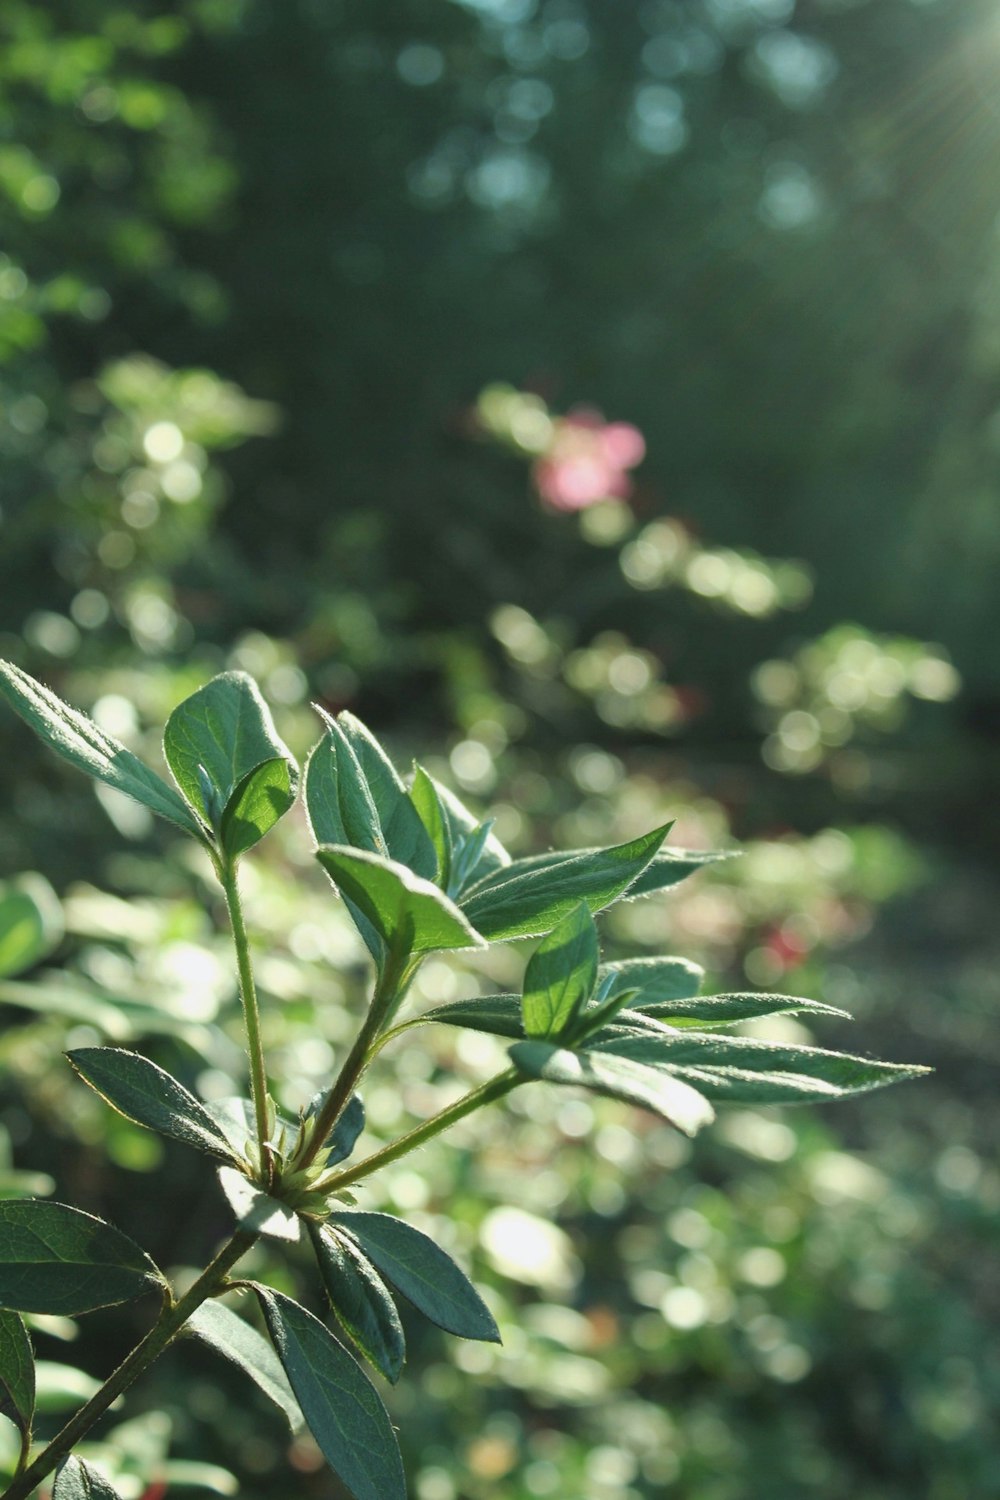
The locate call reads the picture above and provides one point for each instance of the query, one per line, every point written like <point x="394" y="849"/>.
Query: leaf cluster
<point x="419" y="874"/>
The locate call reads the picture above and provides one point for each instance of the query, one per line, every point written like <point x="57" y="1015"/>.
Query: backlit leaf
<point x="260" y="799"/>
<point x="499" y="1015"/>
<point x="77" y="739"/>
<point x="460" y="825"/>
<point x="227" y="759"/>
<point x="405" y="838"/>
<point x="529" y="897"/>
<point x="257" y="1210"/>
<point x="725" y="1010"/>
<point x="741" y="1069"/>
<point x="237" y="1120"/>
<point x="341" y="811"/>
<point x="605" y="1008"/>
<point x="409" y="914"/>
<point x="561" y="974"/>
<point x="618" y="1078"/>
<point x="338" y="800"/>
<point x="668" y="867"/>
<point x="671" y="866"/>
<point x="430" y="810"/>
<point x="656" y="979"/>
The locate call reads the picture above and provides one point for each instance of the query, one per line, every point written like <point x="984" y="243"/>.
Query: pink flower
<point x="587" y="460"/>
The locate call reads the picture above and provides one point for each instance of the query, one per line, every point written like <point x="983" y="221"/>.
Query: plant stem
<point x="487" y="1093"/>
<point x="394" y="1032"/>
<point x="389" y="990"/>
<point x="251" y="1013"/>
<point x="166" y="1328"/>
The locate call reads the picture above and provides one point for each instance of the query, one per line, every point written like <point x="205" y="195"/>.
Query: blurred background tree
<point x="278" y="284"/>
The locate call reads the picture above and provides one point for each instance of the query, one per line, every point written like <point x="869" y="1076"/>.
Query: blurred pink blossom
<point x="587" y="461"/>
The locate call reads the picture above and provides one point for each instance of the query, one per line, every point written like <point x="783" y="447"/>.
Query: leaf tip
<point x="324" y="714"/>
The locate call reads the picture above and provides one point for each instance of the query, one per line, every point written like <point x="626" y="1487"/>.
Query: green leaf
<point x="561" y="974"/>
<point x="55" y="1259"/>
<point x="741" y="1069"/>
<point x="529" y="897"/>
<point x="460" y="826"/>
<point x="344" y="1136"/>
<point x="725" y="1010"/>
<point x="499" y="1015"/>
<point x="257" y="1210"/>
<point x="77" y="739"/>
<point x="467" y="856"/>
<point x="618" y="1078"/>
<point x="227" y="759"/>
<point x="262" y="797"/>
<point x="342" y="811"/>
<point x="232" y="1336"/>
<point x="422" y="1271"/>
<point x="340" y="1404"/>
<point x="76" y="1480"/>
<point x="404" y="836"/>
<point x="361" y="1300"/>
<point x="431" y="812"/>
<point x="17" y="1372"/>
<point x="656" y="979"/>
<point x="409" y="914"/>
<point x="668" y="867"/>
<point x="338" y="799"/>
<point x="607" y="1003"/>
<point x="671" y="866"/>
<point x="145" y="1093"/>
<point x="237" y="1120"/>
<point x="31" y="923"/>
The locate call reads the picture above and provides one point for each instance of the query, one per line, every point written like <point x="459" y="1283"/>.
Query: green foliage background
<point x="258" y="260"/>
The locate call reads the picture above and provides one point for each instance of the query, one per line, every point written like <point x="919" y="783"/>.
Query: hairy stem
<point x="251" y="1012"/>
<point x="389" y="990"/>
<point x="166" y="1328"/>
<point x="487" y="1093"/>
<point x="393" y="1033"/>
<point x="25" y="1453"/>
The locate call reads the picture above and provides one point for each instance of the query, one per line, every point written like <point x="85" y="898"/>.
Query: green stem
<point x="166" y="1328"/>
<point x="393" y="1033"/>
<point x="389" y="990"/>
<point x="251" y="1012"/>
<point x="487" y="1093"/>
<point x="25" y="1453"/>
